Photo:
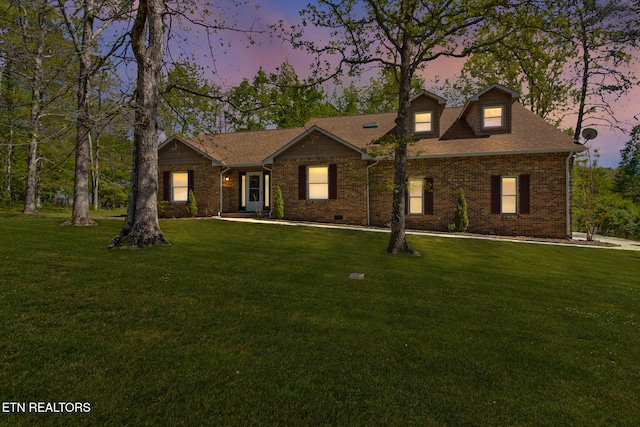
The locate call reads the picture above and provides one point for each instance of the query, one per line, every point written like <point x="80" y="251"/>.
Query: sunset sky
<point x="234" y="58"/>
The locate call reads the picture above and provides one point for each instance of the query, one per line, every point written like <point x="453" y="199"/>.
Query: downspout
<point x="368" y="193"/>
<point x="270" y="189"/>
<point x="221" y="181"/>
<point x="568" y="193"/>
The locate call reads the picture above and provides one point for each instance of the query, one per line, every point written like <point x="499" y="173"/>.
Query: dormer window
<point x="423" y="122"/>
<point x="492" y="117"/>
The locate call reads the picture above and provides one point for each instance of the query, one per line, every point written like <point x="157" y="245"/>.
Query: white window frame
<point x="508" y="197"/>
<point x="492" y="116"/>
<point x="421" y="121"/>
<point x="318" y="188"/>
<point x="415" y="192"/>
<point x="175" y="187"/>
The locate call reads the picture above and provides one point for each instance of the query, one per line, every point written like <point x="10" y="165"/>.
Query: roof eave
<point x="500" y="153"/>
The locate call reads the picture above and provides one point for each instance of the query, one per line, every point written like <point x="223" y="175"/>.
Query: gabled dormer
<point x="425" y="110"/>
<point x="489" y="112"/>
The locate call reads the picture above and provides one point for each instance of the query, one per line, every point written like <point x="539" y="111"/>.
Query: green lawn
<point x="239" y="324"/>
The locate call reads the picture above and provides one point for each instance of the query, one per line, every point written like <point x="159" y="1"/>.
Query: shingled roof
<point x="529" y="134"/>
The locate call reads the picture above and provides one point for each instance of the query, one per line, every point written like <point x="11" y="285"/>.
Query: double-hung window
<point x="492" y="117"/>
<point x="416" y="196"/>
<point x="509" y="195"/>
<point x="179" y="186"/>
<point x="423" y="122"/>
<point x="318" y="182"/>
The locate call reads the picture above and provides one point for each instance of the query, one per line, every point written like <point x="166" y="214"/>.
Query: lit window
<point x="318" y="181"/>
<point x="509" y="195"/>
<point x="422" y="122"/>
<point x="179" y="186"/>
<point x="416" y="187"/>
<point x="492" y="117"/>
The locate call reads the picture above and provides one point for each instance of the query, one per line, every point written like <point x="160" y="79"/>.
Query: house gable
<point x="425" y="111"/>
<point x="177" y="151"/>
<point x="316" y="142"/>
<point x="490" y="111"/>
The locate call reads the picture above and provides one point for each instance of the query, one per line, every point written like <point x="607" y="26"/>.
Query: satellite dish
<point x="589" y="133"/>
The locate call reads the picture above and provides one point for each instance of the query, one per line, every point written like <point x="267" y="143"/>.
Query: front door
<point x="254" y="192"/>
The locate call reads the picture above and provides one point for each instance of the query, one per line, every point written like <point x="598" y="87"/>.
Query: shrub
<point x="278" y="204"/>
<point x="460" y="219"/>
<point x="192" y="205"/>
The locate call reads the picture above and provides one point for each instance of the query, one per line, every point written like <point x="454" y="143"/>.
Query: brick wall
<point x="547" y="217"/>
<point x="206" y="188"/>
<point x="350" y="203"/>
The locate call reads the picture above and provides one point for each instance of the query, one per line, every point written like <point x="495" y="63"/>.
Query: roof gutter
<point x="369" y="193"/>
<point x="221" y="181"/>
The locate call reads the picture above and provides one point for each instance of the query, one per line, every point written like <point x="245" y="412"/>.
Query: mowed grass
<point x="240" y="324"/>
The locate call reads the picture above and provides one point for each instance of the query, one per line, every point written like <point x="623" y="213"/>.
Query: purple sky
<point x="235" y="59"/>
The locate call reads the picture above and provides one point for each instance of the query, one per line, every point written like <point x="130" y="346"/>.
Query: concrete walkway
<point x="620" y="244"/>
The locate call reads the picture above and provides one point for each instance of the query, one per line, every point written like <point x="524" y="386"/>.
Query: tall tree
<point x="627" y="180"/>
<point x="184" y="109"/>
<point x="35" y="28"/>
<point x="604" y="33"/>
<point x="403" y="36"/>
<point x="141" y="228"/>
<point x="532" y="61"/>
<point x="84" y="40"/>
<point x="277" y="99"/>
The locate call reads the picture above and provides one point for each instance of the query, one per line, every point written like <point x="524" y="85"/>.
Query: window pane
<point x="509" y="204"/>
<point x="318" y="174"/>
<point x="318" y="191"/>
<point x="492" y="117"/>
<point x="423" y="122"/>
<point x="509" y="186"/>
<point x="180" y="179"/>
<point x="180" y="194"/>
<point x="267" y="190"/>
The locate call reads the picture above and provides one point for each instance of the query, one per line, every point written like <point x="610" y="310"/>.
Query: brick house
<point x="514" y="168"/>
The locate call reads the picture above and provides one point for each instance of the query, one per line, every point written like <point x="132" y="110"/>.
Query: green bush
<point x="192" y="205"/>
<point x="460" y="219"/>
<point x="278" y="204"/>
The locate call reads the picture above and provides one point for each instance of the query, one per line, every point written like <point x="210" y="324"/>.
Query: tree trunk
<point x="398" y="239"/>
<point x="584" y="84"/>
<point x="141" y="228"/>
<point x="81" y="214"/>
<point x="10" y="102"/>
<point x="34" y="115"/>
<point x="95" y="174"/>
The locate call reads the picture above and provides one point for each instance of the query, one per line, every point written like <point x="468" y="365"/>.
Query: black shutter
<point x="428" y="196"/>
<point x="166" y="186"/>
<point x="333" y="181"/>
<point x="302" y="182"/>
<point x="190" y="176"/>
<point x="495" y="194"/>
<point x="525" y="204"/>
